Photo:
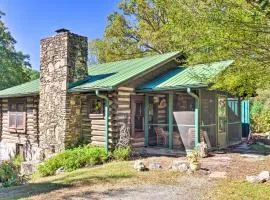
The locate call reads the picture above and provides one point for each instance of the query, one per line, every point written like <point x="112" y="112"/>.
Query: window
<point x="139" y="116"/>
<point x="96" y="107"/>
<point x="17" y="115"/>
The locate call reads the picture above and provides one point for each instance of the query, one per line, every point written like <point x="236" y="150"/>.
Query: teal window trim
<point x="146" y="117"/>
<point x="170" y="117"/>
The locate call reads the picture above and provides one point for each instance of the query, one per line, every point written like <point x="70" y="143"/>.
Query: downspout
<point x="197" y="123"/>
<point x="106" y="134"/>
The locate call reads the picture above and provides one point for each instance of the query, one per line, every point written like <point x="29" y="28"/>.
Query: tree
<point x="203" y="31"/>
<point x="14" y="65"/>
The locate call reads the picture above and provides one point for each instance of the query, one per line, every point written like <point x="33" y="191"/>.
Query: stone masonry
<point x="63" y="62"/>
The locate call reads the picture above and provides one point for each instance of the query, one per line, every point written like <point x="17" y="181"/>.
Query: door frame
<point x="136" y="99"/>
<point x="217" y="120"/>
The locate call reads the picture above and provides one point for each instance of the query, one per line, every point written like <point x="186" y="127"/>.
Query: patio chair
<point x="161" y="134"/>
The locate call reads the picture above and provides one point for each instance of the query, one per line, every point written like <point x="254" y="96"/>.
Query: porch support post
<point x="170" y="117"/>
<point x="146" y="114"/>
<point x="197" y="111"/>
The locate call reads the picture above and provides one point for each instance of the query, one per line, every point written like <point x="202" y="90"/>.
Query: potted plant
<point x="193" y="159"/>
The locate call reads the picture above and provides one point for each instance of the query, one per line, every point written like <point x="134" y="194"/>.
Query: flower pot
<point x="195" y="166"/>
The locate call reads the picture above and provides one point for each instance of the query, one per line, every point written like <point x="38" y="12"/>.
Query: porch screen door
<point x="137" y="109"/>
<point x="222" y="121"/>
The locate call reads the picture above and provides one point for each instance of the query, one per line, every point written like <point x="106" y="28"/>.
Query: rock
<point x="154" y="166"/>
<point x="203" y="150"/>
<point x="252" y="157"/>
<point x="28" y="168"/>
<point x="253" y="179"/>
<point x="139" y="165"/>
<point x="218" y="175"/>
<point x="264" y="176"/>
<point x="243" y="146"/>
<point x="180" y="166"/>
<point x="60" y="170"/>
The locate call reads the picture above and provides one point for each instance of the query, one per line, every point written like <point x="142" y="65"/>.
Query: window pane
<point x="20" y="120"/>
<point x="20" y="107"/>
<point x="12" y="120"/>
<point x="13" y="107"/>
<point x="96" y="106"/>
<point x="139" y="122"/>
<point x="139" y="109"/>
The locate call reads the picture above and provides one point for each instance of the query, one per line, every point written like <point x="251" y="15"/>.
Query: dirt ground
<point x="147" y="185"/>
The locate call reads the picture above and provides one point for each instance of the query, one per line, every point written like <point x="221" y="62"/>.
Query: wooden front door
<point x="137" y="116"/>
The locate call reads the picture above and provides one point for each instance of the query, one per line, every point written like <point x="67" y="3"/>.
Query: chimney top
<point x="62" y="30"/>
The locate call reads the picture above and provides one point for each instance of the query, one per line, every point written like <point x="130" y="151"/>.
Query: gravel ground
<point x="189" y="188"/>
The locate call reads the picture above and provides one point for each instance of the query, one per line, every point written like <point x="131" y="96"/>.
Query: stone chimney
<point x="63" y="61"/>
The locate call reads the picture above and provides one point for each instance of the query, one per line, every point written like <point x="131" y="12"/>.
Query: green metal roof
<point x="25" y="89"/>
<point x="102" y="76"/>
<point x="183" y="77"/>
<point x="108" y="75"/>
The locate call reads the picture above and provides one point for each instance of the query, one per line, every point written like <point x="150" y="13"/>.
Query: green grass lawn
<point x="114" y="173"/>
<point x="259" y="147"/>
<point x="238" y="190"/>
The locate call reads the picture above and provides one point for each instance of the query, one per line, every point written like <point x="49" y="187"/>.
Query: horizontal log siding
<point x="30" y="138"/>
<point x="93" y="128"/>
<point x="124" y="114"/>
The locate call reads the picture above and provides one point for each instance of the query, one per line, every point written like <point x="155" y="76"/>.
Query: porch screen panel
<point x="208" y="118"/>
<point x="234" y="121"/>
<point x="183" y="121"/>
<point x="158" y="121"/>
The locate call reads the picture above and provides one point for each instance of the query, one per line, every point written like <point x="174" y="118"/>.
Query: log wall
<point x="29" y="140"/>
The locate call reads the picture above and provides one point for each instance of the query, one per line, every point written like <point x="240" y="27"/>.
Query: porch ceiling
<point x="197" y="76"/>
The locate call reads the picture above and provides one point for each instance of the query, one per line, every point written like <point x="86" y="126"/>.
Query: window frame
<point x="90" y="101"/>
<point x="17" y="102"/>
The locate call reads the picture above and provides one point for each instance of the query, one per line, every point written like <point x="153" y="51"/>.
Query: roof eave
<point x="73" y="90"/>
<point x="19" y="95"/>
<point x="171" y="88"/>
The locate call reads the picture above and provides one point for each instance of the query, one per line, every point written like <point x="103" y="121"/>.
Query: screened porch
<point x="179" y="120"/>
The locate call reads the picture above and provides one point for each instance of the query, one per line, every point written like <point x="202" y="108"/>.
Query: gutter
<point x="106" y="134"/>
<point x="197" y="122"/>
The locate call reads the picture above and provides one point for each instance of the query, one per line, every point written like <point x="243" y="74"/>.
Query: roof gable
<point x="183" y="77"/>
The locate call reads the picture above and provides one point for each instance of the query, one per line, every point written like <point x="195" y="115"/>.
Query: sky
<point x="31" y="20"/>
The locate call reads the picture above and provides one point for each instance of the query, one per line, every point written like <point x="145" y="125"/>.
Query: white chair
<point x="161" y="134"/>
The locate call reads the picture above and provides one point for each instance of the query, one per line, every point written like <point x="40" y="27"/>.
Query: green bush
<point x="261" y="121"/>
<point x="72" y="159"/>
<point x="122" y="153"/>
<point x="260" y="112"/>
<point x="80" y="142"/>
<point x="9" y="172"/>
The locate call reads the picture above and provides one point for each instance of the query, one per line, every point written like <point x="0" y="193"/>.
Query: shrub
<point x="9" y="172"/>
<point x="122" y="153"/>
<point x="72" y="159"/>
<point x="80" y="142"/>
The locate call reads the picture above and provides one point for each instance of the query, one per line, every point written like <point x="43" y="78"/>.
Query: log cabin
<point x="154" y="101"/>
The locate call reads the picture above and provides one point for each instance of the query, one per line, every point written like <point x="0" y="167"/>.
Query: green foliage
<point x="261" y="121"/>
<point x="122" y="153"/>
<point x="193" y="157"/>
<point x="9" y="172"/>
<point x="72" y="159"/>
<point x="15" y="67"/>
<point x="80" y="142"/>
<point x="203" y="30"/>
<point x="260" y="112"/>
